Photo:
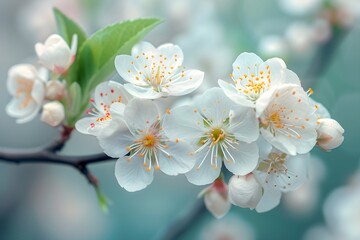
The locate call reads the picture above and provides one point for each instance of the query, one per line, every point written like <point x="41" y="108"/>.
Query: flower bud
<point x="245" y="191"/>
<point x="53" y="113"/>
<point x="54" y="90"/>
<point x="55" y="54"/>
<point x="330" y="134"/>
<point x="216" y="198"/>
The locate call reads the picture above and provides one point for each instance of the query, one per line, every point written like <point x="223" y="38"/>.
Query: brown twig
<point x="49" y="155"/>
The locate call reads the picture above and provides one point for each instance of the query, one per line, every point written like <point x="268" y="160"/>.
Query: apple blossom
<point x="288" y="121"/>
<point x="220" y="130"/>
<point x="157" y="72"/>
<point x="245" y="191"/>
<point x="252" y="77"/>
<point x="106" y="94"/>
<point x="330" y="134"/>
<point x="139" y="133"/>
<point x="24" y="83"/>
<point x="216" y="198"/>
<point x="53" y="113"/>
<point x="55" y="54"/>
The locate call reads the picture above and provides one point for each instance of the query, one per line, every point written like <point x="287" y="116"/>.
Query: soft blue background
<point x="55" y="202"/>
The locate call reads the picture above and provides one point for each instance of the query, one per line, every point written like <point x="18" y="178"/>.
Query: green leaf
<point x="67" y="28"/>
<point x="73" y="105"/>
<point x="103" y="201"/>
<point x="98" y="53"/>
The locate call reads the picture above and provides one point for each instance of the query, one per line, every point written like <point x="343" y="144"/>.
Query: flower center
<point x="274" y="164"/>
<point x="149" y="141"/>
<point x="275" y="119"/>
<point x="25" y="88"/>
<point x="217" y="135"/>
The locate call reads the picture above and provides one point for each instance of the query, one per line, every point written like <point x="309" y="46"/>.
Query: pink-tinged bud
<point x="55" y="54"/>
<point x="216" y="198"/>
<point x="330" y="134"/>
<point x="53" y="113"/>
<point x="245" y="191"/>
<point x="55" y="90"/>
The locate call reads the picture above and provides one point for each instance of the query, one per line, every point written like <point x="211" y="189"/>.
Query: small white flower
<point x="245" y="191"/>
<point x="157" y="72"/>
<point x="216" y="198"/>
<point x="300" y="37"/>
<point x="300" y="7"/>
<point x="27" y="88"/>
<point x="55" y="90"/>
<point x="139" y="133"/>
<point x="230" y="228"/>
<point x="220" y="130"/>
<point x="277" y="173"/>
<point x="288" y="121"/>
<point x="273" y="45"/>
<point x="330" y="134"/>
<point x="106" y="94"/>
<point x="53" y="113"/>
<point x="252" y="77"/>
<point x="55" y="54"/>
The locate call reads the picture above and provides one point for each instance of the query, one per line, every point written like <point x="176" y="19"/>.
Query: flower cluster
<point x="34" y="88"/>
<point x="260" y="127"/>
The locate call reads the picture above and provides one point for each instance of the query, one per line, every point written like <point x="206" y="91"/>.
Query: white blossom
<point x="277" y="173"/>
<point x="139" y="133"/>
<point x="24" y="83"/>
<point x="288" y="120"/>
<point x="53" y="113"/>
<point x="106" y="94"/>
<point x="220" y="130"/>
<point x="253" y="77"/>
<point x="330" y="134"/>
<point x="157" y="72"/>
<point x="55" y="54"/>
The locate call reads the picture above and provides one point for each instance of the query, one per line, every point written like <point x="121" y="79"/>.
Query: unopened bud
<point x="245" y="191"/>
<point x="216" y="199"/>
<point x="53" y="113"/>
<point x="55" y="90"/>
<point x="330" y="134"/>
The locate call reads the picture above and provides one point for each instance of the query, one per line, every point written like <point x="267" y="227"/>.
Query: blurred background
<point x="319" y="39"/>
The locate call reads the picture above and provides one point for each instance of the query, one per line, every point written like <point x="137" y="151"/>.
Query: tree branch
<point x="48" y="154"/>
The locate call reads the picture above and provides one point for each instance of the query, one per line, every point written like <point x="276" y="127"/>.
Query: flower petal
<point x="185" y="83"/>
<point x="132" y="175"/>
<point x="140" y="114"/>
<point x="89" y="125"/>
<point x="184" y="123"/>
<point x="215" y="106"/>
<point x="178" y="161"/>
<point x="246" y="63"/>
<point x="116" y="138"/>
<point x="142" y="92"/>
<point x="127" y="67"/>
<point x="205" y="174"/>
<point x="172" y="55"/>
<point x="232" y="93"/>
<point x="269" y="200"/>
<point x="244" y="124"/>
<point x="245" y="158"/>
